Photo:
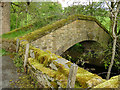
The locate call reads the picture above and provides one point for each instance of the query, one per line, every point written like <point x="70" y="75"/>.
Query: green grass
<point x="29" y="28"/>
<point x="3" y="52"/>
<point x="16" y="34"/>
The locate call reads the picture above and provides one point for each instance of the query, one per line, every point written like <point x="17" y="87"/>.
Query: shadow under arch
<point x="88" y="51"/>
<point x="69" y="44"/>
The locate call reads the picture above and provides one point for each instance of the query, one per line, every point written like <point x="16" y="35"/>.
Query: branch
<point x="118" y="34"/>
<point x="111" y="10"/>
<point x="114" y="40"/>
<point x="118" y="7"/>
<point x="108" y="6"/>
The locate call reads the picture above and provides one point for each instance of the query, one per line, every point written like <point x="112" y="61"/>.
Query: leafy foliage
<point x="108" y="55"/>
<point x="3" y="52"/>
<point x="43" y="13"/>
<point x="22" y="14"/>
<point x="18" y="62"/>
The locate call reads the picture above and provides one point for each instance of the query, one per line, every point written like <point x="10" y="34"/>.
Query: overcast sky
<point x="66" y="3"/>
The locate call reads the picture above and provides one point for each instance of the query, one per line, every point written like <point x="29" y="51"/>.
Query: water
<point x="101" y="71"/>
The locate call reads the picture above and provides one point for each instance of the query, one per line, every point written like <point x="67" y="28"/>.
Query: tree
<point x="5" y="16"/>
<point x="23" y="14"/>
<point x="114" y="10"/>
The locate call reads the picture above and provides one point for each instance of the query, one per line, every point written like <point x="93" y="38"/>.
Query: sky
<point x="56" y="0"/>
<point x="66" y="3"/>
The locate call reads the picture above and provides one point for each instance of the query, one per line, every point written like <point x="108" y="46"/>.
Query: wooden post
<point x="72" y="76"/>
<point x="32" y="54"/>
<point x="26" y="56"/>
<point x="17" y="45"/>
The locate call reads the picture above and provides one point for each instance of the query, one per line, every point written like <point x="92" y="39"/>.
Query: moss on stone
<point x="41" y="67"/>
<point x="54" y="84"/>
<point x="23" y="43"/>
<point x="43" y="59"/>
<point x="55" y="74"/>
<point x="69" y="64"/>
<point x="113" y="82"/>
<point x="83" y="76"/>
<point x="77" y="85"/>
<point x="62" y="69"/>
<point x="49" y="28"/>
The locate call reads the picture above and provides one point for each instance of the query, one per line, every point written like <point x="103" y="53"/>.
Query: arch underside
<point x="70" y="44"/>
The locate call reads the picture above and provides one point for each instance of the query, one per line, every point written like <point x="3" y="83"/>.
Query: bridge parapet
<point x="55" y="74"/>
<point x="52" y="70"/>
<point x="52" y="27"/>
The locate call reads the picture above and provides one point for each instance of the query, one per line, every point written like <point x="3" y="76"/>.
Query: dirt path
<point x="12" y="79"/>
<point x="9" y="71"/>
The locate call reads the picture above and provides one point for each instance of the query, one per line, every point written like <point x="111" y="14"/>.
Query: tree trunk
<point x="111" y="18"/>
<point x="0" y="18"/>
<point x="5" y="17"/>
<point x="114" y="22"/>
<point x="113" y="56"/>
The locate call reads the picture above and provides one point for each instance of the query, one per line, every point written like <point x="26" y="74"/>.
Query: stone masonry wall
<point x="65" y="37"/>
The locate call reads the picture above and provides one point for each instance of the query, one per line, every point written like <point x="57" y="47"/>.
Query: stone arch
<point x="90" y="52"/>
<point x="68" y="45"/>
<point x="77" y="31"/>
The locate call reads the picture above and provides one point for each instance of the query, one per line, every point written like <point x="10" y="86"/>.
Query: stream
<point x="89" y="55"/>
<point x="101" y="71"/>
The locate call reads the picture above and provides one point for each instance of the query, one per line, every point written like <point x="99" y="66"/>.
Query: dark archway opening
<point x="89" y="55"/>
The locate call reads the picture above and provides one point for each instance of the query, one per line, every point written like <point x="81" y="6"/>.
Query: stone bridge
<point x="50" y="69"/>
<point x="80" y="29"/>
